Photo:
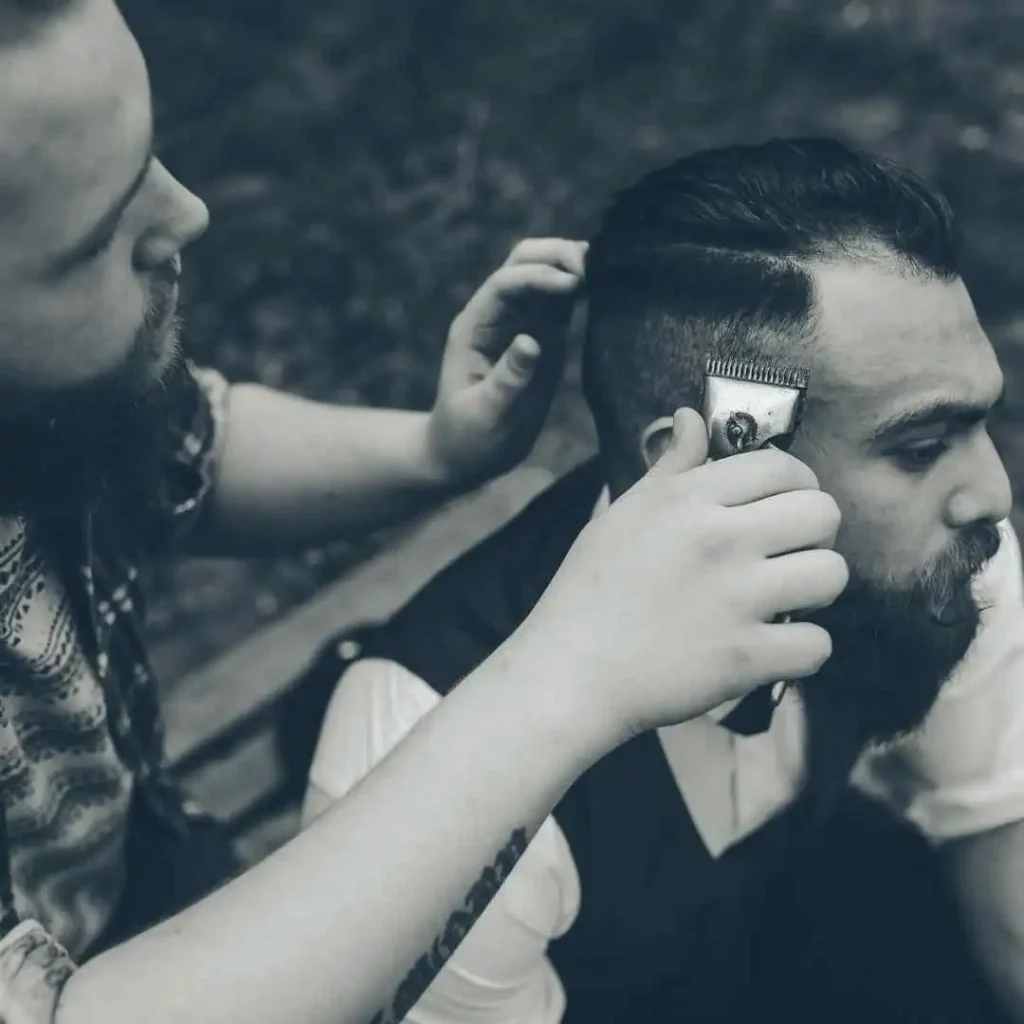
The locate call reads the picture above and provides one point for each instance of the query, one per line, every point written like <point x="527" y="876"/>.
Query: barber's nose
<point x="986" y="493"/>
<point x="181" y="218"/>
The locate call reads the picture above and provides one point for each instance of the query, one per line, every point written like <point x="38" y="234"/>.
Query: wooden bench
<point x="220" y="719"/>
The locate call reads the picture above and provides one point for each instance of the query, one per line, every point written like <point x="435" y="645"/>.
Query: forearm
<point x="329" y="928"/>
<point x="296" y="474"/>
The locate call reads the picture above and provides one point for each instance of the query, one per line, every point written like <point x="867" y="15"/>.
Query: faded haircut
<point x="711" y="255"/>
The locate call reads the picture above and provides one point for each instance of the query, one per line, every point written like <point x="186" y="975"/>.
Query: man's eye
<point x="920" y="457"/>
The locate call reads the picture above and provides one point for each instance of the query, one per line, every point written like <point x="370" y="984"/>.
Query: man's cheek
<point x="889" y="535"/>
<point x="107" y="318"/>
<point x="893" y="564"/>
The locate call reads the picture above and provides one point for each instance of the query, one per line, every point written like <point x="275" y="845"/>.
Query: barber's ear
<point x="656" y="438"/>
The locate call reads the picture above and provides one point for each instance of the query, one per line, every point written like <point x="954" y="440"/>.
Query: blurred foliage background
<point x="367" y="162"/>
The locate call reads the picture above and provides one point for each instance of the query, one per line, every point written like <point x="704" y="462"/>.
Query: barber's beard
<point x="100" y="442"/>
<point x="893" y="649"/>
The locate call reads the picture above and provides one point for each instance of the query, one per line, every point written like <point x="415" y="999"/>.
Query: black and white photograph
<point x="508" y="512"/>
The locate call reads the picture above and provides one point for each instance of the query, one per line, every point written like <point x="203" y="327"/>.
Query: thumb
<point x="515" y="369"/>
<point x="688" y="448"/>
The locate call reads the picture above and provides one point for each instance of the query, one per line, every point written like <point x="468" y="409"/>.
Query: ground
<point x="366" y="163"/>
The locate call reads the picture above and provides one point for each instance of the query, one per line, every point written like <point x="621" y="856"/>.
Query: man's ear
<point x="655" y="439"/>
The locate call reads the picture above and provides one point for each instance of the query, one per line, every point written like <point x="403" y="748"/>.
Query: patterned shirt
<point x="79" y="722"/>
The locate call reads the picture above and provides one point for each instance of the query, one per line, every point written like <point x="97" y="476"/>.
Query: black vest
<point x="665" y="931"/>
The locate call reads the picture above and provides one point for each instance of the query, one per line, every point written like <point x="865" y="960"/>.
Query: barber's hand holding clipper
<point x="665" y="607"/>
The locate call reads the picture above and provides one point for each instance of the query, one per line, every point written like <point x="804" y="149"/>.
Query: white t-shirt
<point x="962" y="773"/>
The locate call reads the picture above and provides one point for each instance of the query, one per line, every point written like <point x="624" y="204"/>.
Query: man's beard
<point x="893" y="649"/>
<point x="101" y="442"/>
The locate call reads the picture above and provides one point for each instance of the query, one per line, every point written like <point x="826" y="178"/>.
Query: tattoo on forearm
<point x="461" y="921"/>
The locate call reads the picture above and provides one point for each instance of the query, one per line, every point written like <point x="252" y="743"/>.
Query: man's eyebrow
<point x="103" y="227"/>
<point x="935" y="413"/>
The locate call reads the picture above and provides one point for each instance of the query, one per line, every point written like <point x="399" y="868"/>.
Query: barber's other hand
<point x="664" y="607"/>
<point x="504" y="361"/>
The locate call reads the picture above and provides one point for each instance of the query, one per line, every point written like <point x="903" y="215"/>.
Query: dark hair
<point x="20" y="20"/>
<point x="709" y="256"/>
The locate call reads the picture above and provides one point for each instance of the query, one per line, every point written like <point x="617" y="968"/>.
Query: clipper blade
<point x="758" y="372"/>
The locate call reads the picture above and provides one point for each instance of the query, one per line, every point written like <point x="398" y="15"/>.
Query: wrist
<point x="438" y="471"/>
<point x="556" y="696"/>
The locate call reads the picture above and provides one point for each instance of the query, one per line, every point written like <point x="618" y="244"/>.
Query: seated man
<point x="723" y="867"/>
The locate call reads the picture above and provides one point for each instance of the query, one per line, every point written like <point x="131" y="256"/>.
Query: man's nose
<point x="986" y="493"/>
<point x="193" y="217"/>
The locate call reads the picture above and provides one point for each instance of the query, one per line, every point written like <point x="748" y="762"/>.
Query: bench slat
<point x="231" y="785"/>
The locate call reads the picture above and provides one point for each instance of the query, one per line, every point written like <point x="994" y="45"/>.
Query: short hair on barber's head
<point x="21" y="20"/>
<point x="710" y="255"/>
